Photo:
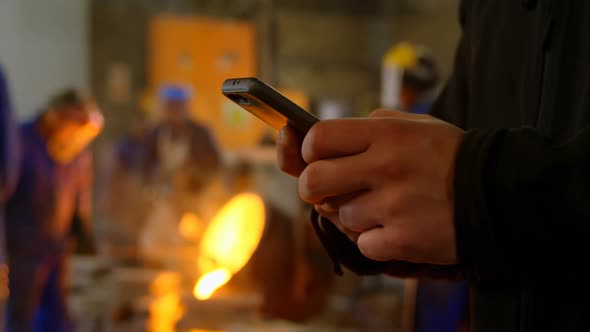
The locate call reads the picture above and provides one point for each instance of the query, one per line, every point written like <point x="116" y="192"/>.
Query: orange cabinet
<point x="202" y="53"/>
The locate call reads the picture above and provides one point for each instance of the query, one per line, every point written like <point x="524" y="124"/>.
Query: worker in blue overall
<point x="54" y="189"/>
<point x="8" y="176"/>
<point x="8" y="155"/>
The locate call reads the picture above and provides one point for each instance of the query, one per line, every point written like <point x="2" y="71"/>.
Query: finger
<point x="385" y="244"/>
<point x="333" y="204"/>
<point x="328" y="214"/>
<point x="289" y="152"/>
<point x="333" y="218"/>
<point x="384" y="113"/>
<point x="364" y="212"/>
<point x="332" y="178"/>
<point x="336" y="138"/>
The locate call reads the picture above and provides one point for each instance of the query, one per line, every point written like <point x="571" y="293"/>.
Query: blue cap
<point x="175" y="93"/>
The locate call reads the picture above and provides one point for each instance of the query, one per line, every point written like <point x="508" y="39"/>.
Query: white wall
<point x="43" y="47"/>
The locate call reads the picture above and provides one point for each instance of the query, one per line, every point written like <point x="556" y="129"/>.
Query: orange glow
<point x="190" y="227"/>
<point x="229" y="242"/>
<point x="165" y="308"/>
<point x="211" y="282"/>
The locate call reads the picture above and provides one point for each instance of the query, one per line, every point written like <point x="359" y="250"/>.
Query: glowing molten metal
<point x="229" y="242"/>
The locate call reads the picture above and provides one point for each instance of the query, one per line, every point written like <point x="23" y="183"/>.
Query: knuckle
<point x="396" y="128"/>
<point x="396" y="204"/>
<point x="397" y="197"/>
<point x="380" y="112"/>
<point x="389" y="166"/>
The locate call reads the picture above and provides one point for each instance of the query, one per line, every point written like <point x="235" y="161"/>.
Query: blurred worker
<point x="8" y="177"/>
<point x="54" y="189"/>
<point x="419" y="83"/>
<point x="410" y="79"/>
<point x="181" y="162"/>
<point x="8" y="154"/>
<point x="181" y="154"/>
<point x="123" y="199"/>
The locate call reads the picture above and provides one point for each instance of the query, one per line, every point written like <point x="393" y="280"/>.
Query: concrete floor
<point x="110" y="298"/>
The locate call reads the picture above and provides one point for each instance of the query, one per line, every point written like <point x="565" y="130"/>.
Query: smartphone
<point x="268" y="104"/>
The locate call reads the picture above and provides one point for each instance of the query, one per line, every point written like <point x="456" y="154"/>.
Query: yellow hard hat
<point x="403" y="55"/>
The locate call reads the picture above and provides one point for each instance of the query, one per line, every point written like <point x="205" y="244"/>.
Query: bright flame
<point x="229" y="241"/>
<point x="211" y="282"/>
<point x="190" y="227"/>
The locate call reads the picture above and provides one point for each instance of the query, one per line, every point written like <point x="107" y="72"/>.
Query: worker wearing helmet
<point x="181" y="162"/>
<point x="418" y="85"/>
<point x="181" y="153"/>
<point x="410" y="78"/>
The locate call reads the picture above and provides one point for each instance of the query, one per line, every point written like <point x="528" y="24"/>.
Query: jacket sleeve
<point x="521" y="203"/>
<point x="521" y="200"/>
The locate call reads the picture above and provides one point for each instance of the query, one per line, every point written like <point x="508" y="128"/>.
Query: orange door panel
<point x="202" y="53"/>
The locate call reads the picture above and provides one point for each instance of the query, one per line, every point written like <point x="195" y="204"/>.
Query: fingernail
<point x="328" y="207"/>
<point x="282" y="137"/>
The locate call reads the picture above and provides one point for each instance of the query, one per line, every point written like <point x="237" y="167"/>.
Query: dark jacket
<point x="521" y="87"/>
<point x="522" y="194"/>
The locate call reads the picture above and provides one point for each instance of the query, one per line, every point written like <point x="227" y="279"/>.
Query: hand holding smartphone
<point x="268" y="104"/>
